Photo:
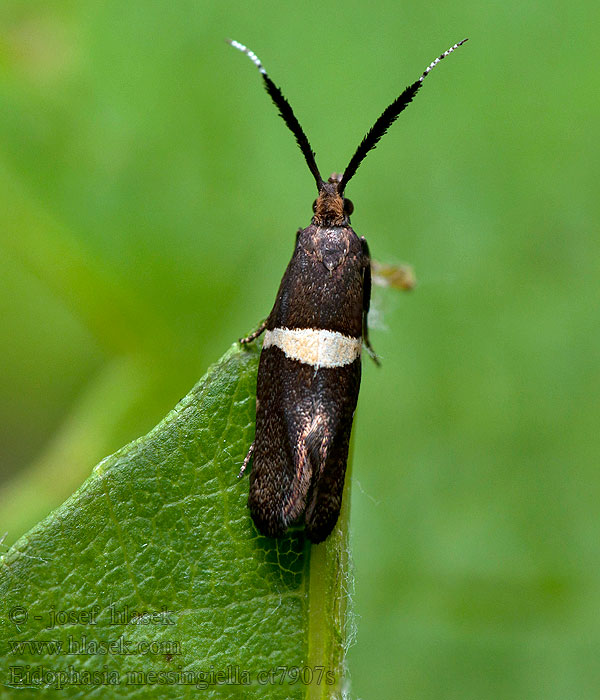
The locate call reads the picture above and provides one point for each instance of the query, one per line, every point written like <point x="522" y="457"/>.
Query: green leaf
<point x="157" y="548"/>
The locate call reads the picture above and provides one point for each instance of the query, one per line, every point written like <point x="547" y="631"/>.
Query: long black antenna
<point x="387" y="118"/>
<point x="285" y="112"/>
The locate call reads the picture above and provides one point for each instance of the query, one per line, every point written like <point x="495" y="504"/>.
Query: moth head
<point x="331" y="208"/>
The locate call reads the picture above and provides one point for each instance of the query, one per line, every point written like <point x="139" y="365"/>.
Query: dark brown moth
<point x="310" y="365"/>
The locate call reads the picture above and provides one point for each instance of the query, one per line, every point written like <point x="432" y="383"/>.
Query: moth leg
<point x="367" y="301"/>
<point x="400" y="277"/>
<point x="246" y="461"/>
<point x="254" y="335"/>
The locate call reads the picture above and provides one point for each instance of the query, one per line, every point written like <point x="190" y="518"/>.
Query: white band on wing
<point x="317" y="348"/>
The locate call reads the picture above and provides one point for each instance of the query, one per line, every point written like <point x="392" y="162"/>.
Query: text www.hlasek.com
<point x="83" y="646"/>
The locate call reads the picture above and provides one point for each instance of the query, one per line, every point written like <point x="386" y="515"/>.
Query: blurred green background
<point x="149" y="197"/>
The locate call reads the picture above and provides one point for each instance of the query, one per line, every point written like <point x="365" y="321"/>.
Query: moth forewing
<point x="307" y="386"/>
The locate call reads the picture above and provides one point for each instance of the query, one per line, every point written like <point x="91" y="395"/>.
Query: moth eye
<point x="348" y="206"/>
<point x="314" y="206"/>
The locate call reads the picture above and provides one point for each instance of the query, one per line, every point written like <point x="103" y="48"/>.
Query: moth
<point x="310" y="365"/>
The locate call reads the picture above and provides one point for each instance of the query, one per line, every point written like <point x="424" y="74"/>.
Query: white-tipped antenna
<point x="285" y="112"/>
<point x="432" y="65"/>
<point x="252" y="56"/>
<point x="386" y="119"/>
